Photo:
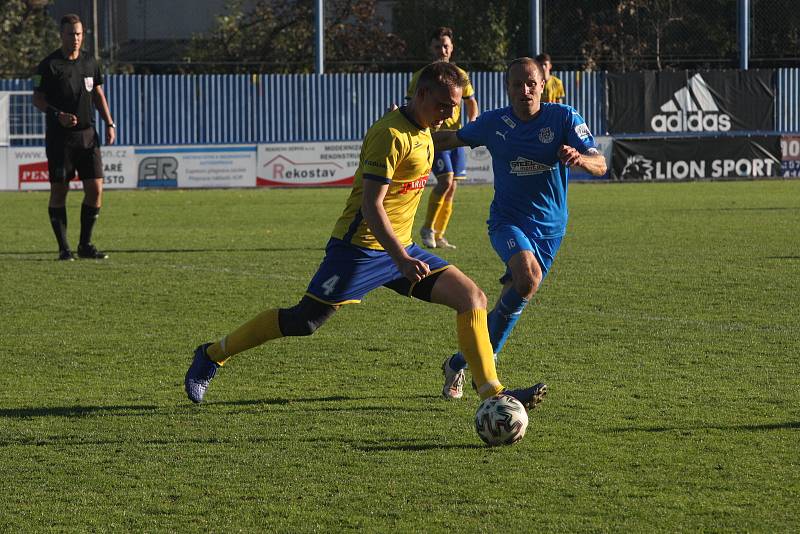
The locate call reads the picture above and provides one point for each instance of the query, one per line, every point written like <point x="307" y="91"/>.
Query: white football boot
<point x="427" y="237"/>
<point x="453" y="381"/>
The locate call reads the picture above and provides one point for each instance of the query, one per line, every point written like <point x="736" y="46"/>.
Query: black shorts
<point x="71" y="152"/>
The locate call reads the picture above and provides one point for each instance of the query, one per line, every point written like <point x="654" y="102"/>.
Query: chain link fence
<point x="151" y="36"/>
<point x="624" y="35"/>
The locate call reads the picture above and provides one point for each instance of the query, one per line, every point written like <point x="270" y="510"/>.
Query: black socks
<point x="58" y="220"/>
<point x="89" y="216"/>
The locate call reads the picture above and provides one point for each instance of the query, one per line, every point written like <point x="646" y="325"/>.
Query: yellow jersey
<point x="454" y="122"/>
<point x="398" y="152"/>
<point x="553" y="90"/>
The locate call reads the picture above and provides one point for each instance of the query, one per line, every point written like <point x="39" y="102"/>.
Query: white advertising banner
<point x="196" y="166"/>
<point x="308" y="164"/>
<point x="479" y="166"/>
<point x="26" y="169"/>
<point x="119" y="167"/>
<point x="5" y="179"/>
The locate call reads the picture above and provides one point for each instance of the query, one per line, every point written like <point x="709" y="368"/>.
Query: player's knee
<point x="527" y="284"/>
<point x="305" y="318"/>
<point x="92" y="199"/>
<point x="477" y="298"/>
<point x="58" y="196"/>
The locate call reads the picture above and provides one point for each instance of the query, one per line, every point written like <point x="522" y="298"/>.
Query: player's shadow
<point x="416" y="447"/>
<point x="408" y="445"/>
<point x="330" y="404"/>
<point x="277" y="401"/>
<point x="51" y="255"/>
<point x="749" y="428"/>
<point x="311" y="400"/>
<point x="196" y="250"/>
<point x="74" y="441"/>
<point x="742" y="208"/>
<point x="77" y="411"/>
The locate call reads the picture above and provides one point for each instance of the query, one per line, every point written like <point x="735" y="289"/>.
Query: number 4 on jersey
<point x="330" y="284"/>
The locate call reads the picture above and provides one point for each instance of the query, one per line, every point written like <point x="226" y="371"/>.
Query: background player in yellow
<point x="553" y="88"/>
<point x="371" y="246"/>
<point x="449" y="165"/>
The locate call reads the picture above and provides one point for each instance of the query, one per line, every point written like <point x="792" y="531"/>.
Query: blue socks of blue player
<point x="504" y="317"/>
<point x="502" y="320"/>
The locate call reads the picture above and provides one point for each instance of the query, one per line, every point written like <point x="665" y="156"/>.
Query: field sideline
<point x="668" y="331"/>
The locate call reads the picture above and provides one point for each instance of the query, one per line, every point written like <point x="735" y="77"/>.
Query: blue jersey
<point x="530" y="182"/>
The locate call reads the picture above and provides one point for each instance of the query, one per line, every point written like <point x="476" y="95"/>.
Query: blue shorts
<point x="347" y="272"/>
<point x="451" y="161"/>
<point x="508" y="240"/>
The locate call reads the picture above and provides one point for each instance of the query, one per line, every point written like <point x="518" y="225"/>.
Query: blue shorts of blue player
<point x="347" y="272"/>
<point x="528" y="260"/>
<point x="509" y="240"/>
<point x="453" y="161"/>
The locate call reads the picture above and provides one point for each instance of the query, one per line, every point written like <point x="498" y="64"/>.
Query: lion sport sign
<point x="695" y="158"/>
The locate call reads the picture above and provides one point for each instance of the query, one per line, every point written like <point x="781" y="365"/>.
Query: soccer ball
<point x="501" y="420"/>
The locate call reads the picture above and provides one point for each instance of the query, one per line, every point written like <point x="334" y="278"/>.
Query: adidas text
<point x="691" y="122"/>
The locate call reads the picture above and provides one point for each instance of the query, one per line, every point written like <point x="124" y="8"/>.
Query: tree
<point x="27" y="35"/>
<point x="775" y="33"/>
<point x="487" y="34"/>
<point x="278" y="36"/>
<point x="626" y="35"/>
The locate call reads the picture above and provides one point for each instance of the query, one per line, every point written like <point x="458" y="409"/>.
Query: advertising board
<point x="196" y="166"/>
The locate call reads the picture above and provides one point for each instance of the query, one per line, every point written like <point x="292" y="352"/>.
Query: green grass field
<point x="668" y="331"/>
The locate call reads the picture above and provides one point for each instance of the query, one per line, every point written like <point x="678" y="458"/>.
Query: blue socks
<point x="504" y="317"/>
<point x="502" y="320"/>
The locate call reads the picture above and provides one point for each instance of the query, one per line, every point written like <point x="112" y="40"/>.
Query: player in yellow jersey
<point x="553" y="87"/>
<point x="371" y="246"/>
<point x="449" y="165"/>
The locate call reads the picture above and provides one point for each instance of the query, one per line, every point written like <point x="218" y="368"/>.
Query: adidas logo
<point x="692" y="108"/>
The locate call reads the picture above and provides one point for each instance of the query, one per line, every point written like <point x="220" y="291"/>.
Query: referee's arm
<point x="64" y="119"/>
<point x="100" y="102"/>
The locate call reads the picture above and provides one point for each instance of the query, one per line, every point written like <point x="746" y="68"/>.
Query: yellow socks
<point x="442" y="218"/>
<point x="434" y="206"/>
<point x="256" y="331"/>
<point x="473" y="340"/>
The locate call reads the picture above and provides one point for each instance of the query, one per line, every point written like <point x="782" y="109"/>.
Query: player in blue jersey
<point x="533" y="145"/>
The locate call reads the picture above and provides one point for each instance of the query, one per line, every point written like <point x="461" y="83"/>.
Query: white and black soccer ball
<point x="501" y="420"/>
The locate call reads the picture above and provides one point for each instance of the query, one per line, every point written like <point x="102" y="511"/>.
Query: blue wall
<point x="203" y="109"/>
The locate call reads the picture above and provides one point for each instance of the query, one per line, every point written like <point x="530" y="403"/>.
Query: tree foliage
<point x="615" y="35"/>
<point x="27" y="35"/>
<point x="623" y="35"/>
<point x="487" y="34"/>
<point x="657" y="34"/>
<point x="776" y="31"/>
<point x="278" y="36"/>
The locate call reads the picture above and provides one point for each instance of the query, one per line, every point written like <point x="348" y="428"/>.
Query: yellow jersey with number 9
<point x="398" y="152"/>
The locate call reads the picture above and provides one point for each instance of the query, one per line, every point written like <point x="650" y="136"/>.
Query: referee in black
<point x="67" y="87"/>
